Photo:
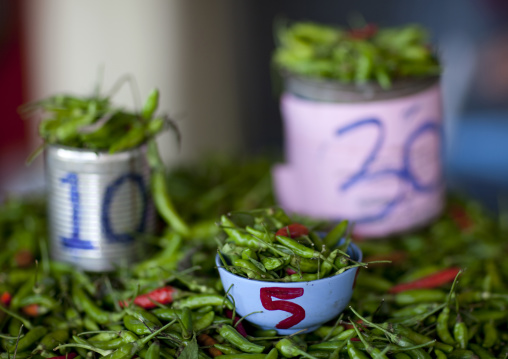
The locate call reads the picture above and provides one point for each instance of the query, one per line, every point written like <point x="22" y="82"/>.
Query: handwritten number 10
<point x="75" y="240"/>
<point x="405" y="173"/>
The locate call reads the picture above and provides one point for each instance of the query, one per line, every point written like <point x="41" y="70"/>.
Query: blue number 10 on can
<point x="97" y="203"/>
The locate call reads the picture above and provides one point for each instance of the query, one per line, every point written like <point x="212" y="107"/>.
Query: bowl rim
<point x="355" y="248"/>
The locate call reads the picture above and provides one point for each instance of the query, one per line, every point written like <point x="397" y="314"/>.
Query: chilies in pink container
<point x="369" y="155"/>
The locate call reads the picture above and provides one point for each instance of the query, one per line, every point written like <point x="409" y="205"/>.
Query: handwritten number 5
<point x="298" y="312"/>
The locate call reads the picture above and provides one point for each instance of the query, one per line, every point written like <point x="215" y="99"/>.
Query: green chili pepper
<point x="25" y="290"/>
<point x="410" y="310"/>
<point x="90" y="324"/>
<point x="107" y="344"/>
<point x="327" y="331"/>
<point x="153" y="351"/>
<point x="29" y="339"/>
<point x="299" y="249"/>
<point x="304" y="264"/>
<point x="126" y="350"/>
<point x="442" y="326"/>
<point x="134" y="137"/>
<point x="203" y="321"/>
<point x="226" y="349"/>
<point x="40" y="299"/>
<point x="440" y="354"/>
<point x="201" y="300"/>
<point x="345" y="335"/>
<point x="353" y="352"/>
<point x="19" y="355"/>
<point x="275" y="263"/>
<point x="403" y="356"/>
<point x="290" y="349"/>
<point x="136" y="326"/>
<point x="272" y="354"/>
<point x="328" y="345"/>
<point x="374" y="352"/>
<point x="91" y="309"/>
<point x="265" y="236"/>
<point x="420" y="296"/>
<point x="326" y="266"/>
<point x="151" y="104"/>
<point x="240" y="237"/>
<point x="304" y="277"/>
<point x="251" y="270"/>
<point x="265" y="333"/>
<point x="160" y="192"/>
<point x="231" y="335"/>
<point x="102" y="336"/>
<point x="186" y="323"/>
<point x="52" y="340"/>
<point x="491" y="335"/>
<point x="242" y="356"/>
<point x="144" y="319"/>
<point x="167" y="313"/>
<point x="380" y="284"/>
<point x="338" y="232"/>
<point x="481" y="352"/>
<point x="462" y="354"/>
<point x="460" y="333"/>
<point x="486" y="315"/>
<point x="418" y="338"/>
<point x="249" y="253"/>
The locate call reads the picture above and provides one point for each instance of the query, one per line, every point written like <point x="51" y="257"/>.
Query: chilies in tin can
<point x="98" y="203"/>
<point x="366" y="154"/>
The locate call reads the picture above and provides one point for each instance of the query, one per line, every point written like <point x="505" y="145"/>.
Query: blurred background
<point x="211" y="62"/>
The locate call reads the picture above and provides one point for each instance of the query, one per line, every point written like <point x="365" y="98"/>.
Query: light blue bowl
<point x="291" y="307"/>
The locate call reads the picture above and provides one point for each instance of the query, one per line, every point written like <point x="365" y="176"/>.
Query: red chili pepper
<point x="294" y="230"/>
<point x="356" y="237"/>
<point x="239" y="328"/>
<point x="461" y="218"/>
<point x="208" y="341"/>
<point x="24" y="258"/>
<point x="350" y="326"/>
<point x="363" y="33"/>
<point x="162" y="295"/>
<point x="66" y="356"/>
<point x="5" y="299"/>
<point x="290" y="271"/>
<point x="31" y="310"/>
<point x="431" y="281"/>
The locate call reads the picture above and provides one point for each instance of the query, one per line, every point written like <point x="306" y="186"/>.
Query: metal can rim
<point x="328" y="90"/>
<point x="87" y="154"/>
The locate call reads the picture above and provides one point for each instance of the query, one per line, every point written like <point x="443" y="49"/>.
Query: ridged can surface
<point x="98" y="204"/>
<point x="362" y="153"/>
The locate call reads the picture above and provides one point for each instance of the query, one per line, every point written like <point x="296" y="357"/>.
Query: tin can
<point x="362" y="153"/>
<point x="98" y="203"/>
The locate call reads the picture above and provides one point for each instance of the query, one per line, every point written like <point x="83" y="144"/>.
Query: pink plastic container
<point x="369" y="155"/>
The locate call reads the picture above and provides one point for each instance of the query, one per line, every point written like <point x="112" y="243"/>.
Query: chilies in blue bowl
<point x="294" y="306"/>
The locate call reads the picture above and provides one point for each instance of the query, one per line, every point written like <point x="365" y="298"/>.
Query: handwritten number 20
<point x="404" y="173"/>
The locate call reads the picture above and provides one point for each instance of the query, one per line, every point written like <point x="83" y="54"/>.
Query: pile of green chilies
<point x="355" y="56"/>
<point x="266" y="244"/>
<point x="443" y="295"/>
<point x="95" y="123"/>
